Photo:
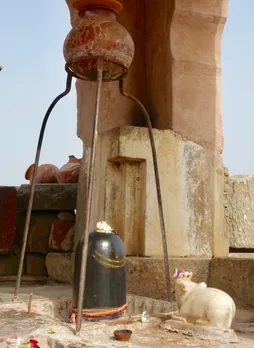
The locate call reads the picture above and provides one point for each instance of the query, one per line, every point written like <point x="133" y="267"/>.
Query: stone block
<point x="145" y="276"/>
<point x="39" y="231"/>
<point x="60" y="266"/>
<point x="66" y="216"/>
<point x="192" y="184"/>
<point x="9" y="265"/>
<point x="49" y="197"/>
<point x="35" y="265"/>
<point x="8" y="218"/>
<point x="68" y="242"/>
<point x="241" y="211"/>
<point x="235" y="276"/>
<point x="189" y="62"/>
<point x="58" y="234"/>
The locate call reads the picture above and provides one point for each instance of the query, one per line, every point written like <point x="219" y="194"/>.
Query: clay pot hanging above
<point x="69" y="173"/>
<point x="46" y="174"/>
<point x="98" y="35"/>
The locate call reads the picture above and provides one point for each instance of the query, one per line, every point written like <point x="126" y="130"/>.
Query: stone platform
<point x="146" y="276"/>
<point x="48" y="324"/>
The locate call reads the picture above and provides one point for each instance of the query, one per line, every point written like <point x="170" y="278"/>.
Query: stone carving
<point x="199" y="303"/>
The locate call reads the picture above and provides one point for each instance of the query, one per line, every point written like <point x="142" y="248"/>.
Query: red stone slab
<point x="8" y="218"/>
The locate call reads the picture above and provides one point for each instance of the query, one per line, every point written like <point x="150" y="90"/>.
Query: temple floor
<point x="48" y="324"/>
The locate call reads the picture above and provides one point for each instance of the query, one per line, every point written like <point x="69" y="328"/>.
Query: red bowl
<point x="122" y="335"/>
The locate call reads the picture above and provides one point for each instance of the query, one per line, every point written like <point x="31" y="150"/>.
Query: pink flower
<point x="30" y="344"/>
<point x="34" y="344"/>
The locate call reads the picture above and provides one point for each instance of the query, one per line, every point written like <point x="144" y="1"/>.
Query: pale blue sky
<point x="31" y="39"/>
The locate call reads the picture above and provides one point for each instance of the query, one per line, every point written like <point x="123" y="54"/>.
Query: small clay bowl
<point x="123" y="335"/>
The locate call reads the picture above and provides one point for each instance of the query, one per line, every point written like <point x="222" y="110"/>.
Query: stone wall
<point x="241" y="211"/>
<point x="236" y="277"/>
<point x="51" y="227"/>
<point x="192" y="181"/>
<point x="145" y="276"/>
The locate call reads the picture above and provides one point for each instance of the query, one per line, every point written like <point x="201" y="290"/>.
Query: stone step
<point x="235" y="276"/>
<point x="145" y="276"/>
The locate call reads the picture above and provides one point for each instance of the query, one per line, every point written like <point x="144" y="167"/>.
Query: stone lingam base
<point x="48" y="324"/>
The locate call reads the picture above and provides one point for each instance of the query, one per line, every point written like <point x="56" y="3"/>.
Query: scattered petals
<point x="143" y="318"/>
<point x="52" y="329"/>
<point x="29" y="344"/>
<point x="34" y="344"/>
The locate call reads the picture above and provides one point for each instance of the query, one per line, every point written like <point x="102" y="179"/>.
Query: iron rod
<point x="31" y="196"/>
<point x="89" y="196"/>
<point x="158" y="186"/>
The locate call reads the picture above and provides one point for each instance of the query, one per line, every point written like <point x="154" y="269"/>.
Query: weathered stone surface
<point x="39" y="231"/>
<point x="48" y="309"/>
<point x="8" y="218"/>
<point x="234" y="276"/>
<point x="139" y="304"/>
<point x="35" y="265"/>
<point x="92" y="335"/>
<point x="179" y="80"/>
<point x="68" y="242"/>
<point x="205" y="333"/>
<point x="49" y="197"/>
<point x="241" y="210"/>
<point x="145" y="276"/>
<point x="8" y="265"/>
<point x="60" y="266"/>
<point x="59" y="232"/>
<point x="183" y="76"/>
<point x="192" y="183"/>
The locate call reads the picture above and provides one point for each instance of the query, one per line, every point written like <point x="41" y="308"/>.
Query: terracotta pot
<point x="98" y="34"/>
<point x="46" y="174"/>
<point x="69" y="173"/>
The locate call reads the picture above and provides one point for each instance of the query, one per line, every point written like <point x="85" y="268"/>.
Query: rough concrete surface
<point x="15" y="322"/>
<point x="241" y="211"/>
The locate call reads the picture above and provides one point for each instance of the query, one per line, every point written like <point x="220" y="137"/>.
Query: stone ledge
<point x="49" y="197"/>
<point x="145" y="276"/>
<point x="236" y="277"/>
<point x="8" y="265"/>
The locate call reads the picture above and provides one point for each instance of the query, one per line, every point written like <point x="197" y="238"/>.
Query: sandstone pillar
<point x="183" y="66"/>
<point x="176" y="73"/>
